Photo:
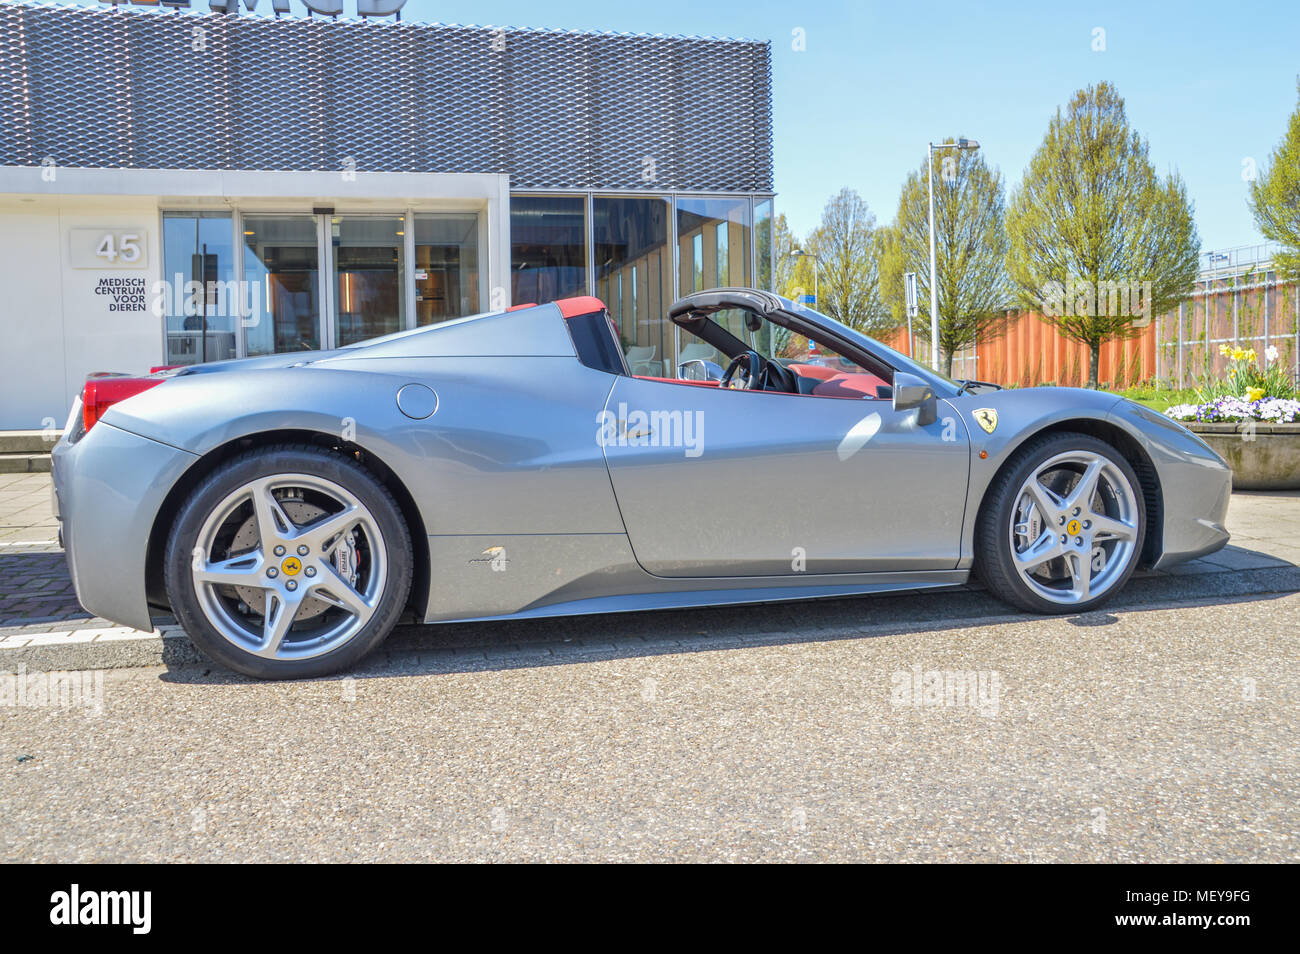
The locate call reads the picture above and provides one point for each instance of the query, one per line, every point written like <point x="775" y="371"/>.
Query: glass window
<point x="763" y="243"/>
<point x="634" y="277"/>
<point x="548" y="248"/>
<point x="714" y="238"/>
<point x="282" y="267"/>
<point x="370" y="282"/>
<point x="446" y="267"/>
<point x="720" y="234"/>
<point x="204" y="303"/>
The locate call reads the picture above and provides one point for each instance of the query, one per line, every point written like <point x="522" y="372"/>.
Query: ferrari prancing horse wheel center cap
<point x="292" y="565"/>
<point x="1073" y="528"/>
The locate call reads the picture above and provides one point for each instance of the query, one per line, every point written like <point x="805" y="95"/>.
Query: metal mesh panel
<point x="553" y="109"/>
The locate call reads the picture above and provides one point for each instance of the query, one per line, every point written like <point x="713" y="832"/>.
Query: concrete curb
<point x="634" y="633"/>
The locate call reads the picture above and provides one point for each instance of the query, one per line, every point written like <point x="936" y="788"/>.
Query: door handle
<point x="637" y="434"/>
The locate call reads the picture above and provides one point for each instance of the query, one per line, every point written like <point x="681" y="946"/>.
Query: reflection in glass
<point x="281" y="261"/>
<point x="634" y="277"/>
<point x="201" y="320"/>
<point x="446" y="266"/>
<point x="713" y="237"/>
<point x="548" y="248"/>
<point x="763" y="243"/>
<point x="368" y="253"/>
<point x="720" y="235"/>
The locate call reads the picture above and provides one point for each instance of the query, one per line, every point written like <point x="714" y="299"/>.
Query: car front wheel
<point x="1062" y="527"/>
<point x="288" y="562"/>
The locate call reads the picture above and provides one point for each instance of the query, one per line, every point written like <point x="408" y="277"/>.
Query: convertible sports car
<point x="289" y="510"/>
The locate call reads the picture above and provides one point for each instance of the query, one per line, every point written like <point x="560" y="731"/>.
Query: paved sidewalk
<point x="43" y="626"/>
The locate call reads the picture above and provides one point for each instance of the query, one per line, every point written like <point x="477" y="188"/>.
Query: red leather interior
<point x="842" y="385"/>
<point x="813" y="371"/>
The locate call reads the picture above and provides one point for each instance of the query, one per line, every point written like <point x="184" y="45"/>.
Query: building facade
<point x="178" y="187"/>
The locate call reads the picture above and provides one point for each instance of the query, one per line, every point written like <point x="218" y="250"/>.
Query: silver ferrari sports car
<point x="290" y="510"/>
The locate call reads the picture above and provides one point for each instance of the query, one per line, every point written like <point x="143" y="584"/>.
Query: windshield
<point x="900" y="361"/>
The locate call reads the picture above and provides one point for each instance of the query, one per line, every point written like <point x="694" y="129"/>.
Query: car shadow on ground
<point x="514" y="644"/>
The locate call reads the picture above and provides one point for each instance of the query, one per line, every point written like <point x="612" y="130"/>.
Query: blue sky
<point x="1208" y="84"/>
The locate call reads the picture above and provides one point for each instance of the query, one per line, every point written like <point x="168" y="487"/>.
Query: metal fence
<point x="1239" y="301"/>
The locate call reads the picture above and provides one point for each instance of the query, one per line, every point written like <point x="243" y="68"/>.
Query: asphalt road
<point x="1150" y="733"/>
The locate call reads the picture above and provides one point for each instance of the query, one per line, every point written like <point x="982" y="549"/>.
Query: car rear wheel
<point x="1061" y="529"/>
<point x="288" y="562"/>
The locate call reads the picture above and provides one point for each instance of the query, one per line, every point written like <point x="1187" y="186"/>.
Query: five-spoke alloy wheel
<point x="289" y="562"/>
<point x="1062" y="528"/>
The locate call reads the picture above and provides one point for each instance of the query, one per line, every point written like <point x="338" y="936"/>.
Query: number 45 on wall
<point x="126" y="247"/>
<point x="108" y="248"/>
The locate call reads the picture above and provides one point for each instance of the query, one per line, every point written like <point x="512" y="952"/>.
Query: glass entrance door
<point x="324" y="281"/>
<point x="282" y="266"/>
<point x="369" y="254"/>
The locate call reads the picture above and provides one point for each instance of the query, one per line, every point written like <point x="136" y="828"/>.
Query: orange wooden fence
<point x="1180" y="349"/>
<point x="1028" y="350"/>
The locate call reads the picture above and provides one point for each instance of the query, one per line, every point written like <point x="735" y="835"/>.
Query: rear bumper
<point x="108" y="487"/>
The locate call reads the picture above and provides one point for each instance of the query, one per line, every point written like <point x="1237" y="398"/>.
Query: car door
<point x="719" y="482"/>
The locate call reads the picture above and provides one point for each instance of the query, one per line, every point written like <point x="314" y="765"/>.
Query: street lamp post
<point x="969" y="144"/>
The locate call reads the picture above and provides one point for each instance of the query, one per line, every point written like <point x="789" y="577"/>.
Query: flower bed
<point x="1230" y="409"/>
<point x="1259" y="439"/>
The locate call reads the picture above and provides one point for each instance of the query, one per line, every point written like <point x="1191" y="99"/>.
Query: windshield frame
<point x="943" y="386"/>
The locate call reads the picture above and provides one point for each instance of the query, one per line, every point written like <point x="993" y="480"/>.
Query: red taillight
<point x="100" y="394"/>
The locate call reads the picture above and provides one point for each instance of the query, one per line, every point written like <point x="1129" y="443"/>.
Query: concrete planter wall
<point x="1269" y="461"/>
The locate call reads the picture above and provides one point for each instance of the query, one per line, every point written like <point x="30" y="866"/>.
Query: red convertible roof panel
<point x="582" y="305"/>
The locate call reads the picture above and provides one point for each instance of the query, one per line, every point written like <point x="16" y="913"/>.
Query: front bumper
<point x="108" y="487"/>
<point x="1196" y="513"/>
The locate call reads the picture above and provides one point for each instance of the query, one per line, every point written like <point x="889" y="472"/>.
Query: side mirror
<point x="698" y="369"/>
<point x="911" y="392"/>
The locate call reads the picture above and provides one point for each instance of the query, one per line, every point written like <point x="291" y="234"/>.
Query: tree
<point x="845" y="249"/>
<point x="1275" y="197"/>
<point x="787" y="263"/>
<point x="970" y="251"/>
<point x="1097" y="238"/>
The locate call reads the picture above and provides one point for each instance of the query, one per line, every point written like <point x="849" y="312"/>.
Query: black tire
<point x="265" y="462"/>
<point x="994" y="565"/>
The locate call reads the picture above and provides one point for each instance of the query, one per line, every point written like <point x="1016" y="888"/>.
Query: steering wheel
<point x="751" y="378"/>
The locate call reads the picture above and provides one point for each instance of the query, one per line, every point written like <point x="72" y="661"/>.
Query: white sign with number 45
<point x="108" y="248"/>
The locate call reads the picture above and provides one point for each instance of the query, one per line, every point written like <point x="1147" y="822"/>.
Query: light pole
<point x="970" y="144"/>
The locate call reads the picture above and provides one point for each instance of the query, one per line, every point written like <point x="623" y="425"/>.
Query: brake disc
<point x="1059" y="483"/>
<point x="301" y="513"/>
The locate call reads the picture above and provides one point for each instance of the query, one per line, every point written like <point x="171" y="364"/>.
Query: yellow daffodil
<point x="1254" y="394"/>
